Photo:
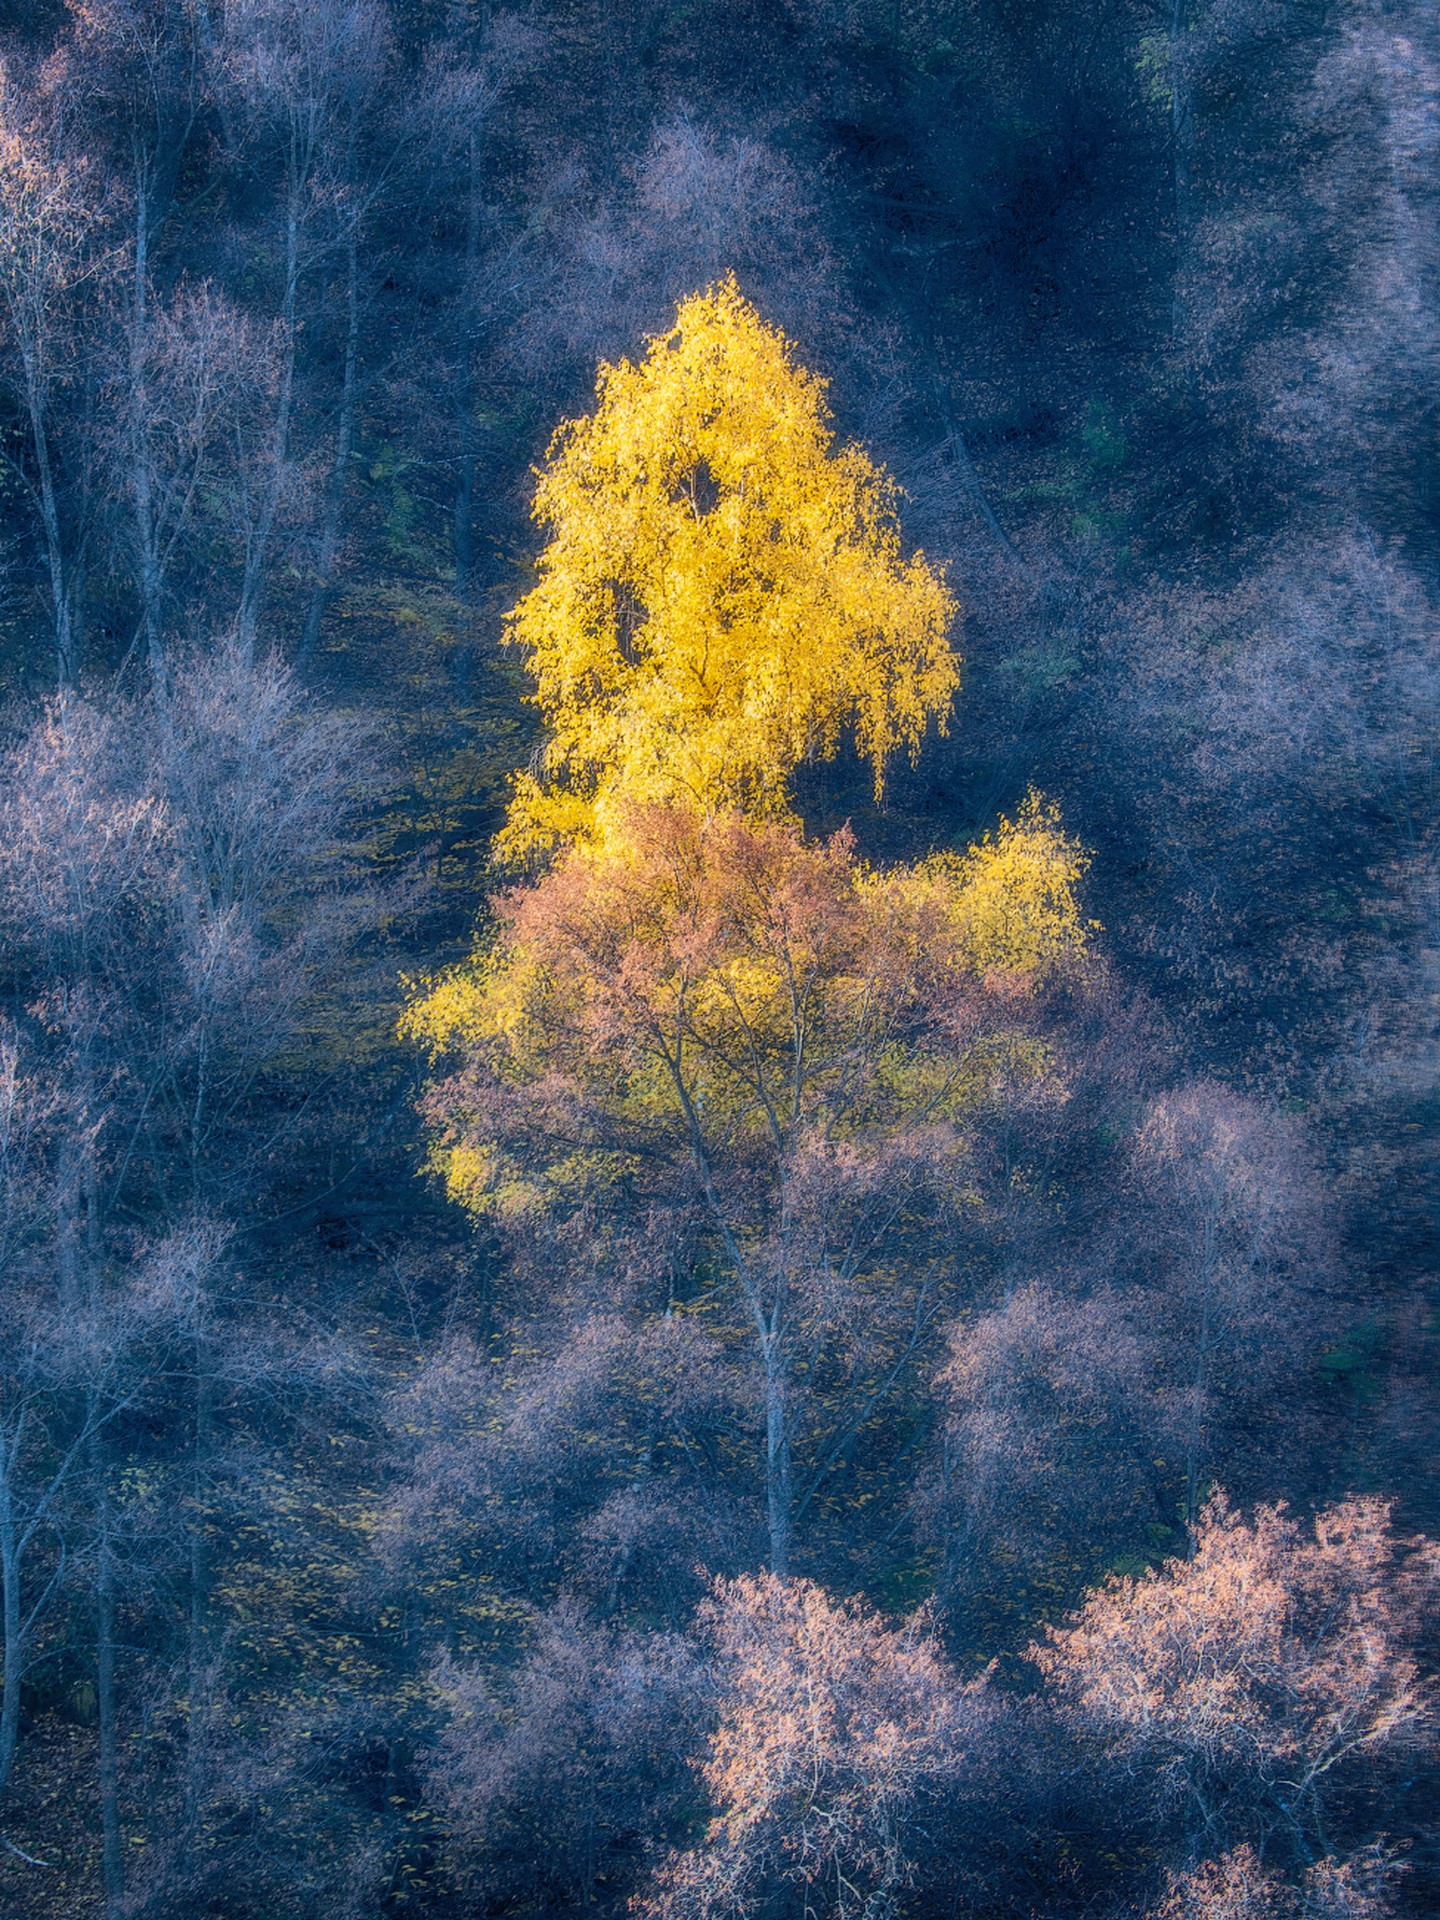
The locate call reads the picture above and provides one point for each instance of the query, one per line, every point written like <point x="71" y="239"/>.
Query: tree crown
<point x="724" y="594"/>
<point x="728" y="970"/>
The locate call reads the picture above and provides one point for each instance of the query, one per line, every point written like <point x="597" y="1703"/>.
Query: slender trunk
<point x="112" y="1854"/>
<point x="1192" y="1453"/>
<point x="1200" y="1382"/>
<point x="257" y="559"/>
<point x="10" y="1609"/>
<point x="340" y="471"/>
<point x="68" y="1238"/>
<point x="142" y="478"/>
<point x="1182" y="141"/>
<point x="768" y="1333"/>
<point x="777" y="1461"/>
<point x="67" y="663"/>
<point x="1195" y="1428"/>
<point x="199" y="1620"/>
<point x="964" y="465"/>
<point x="464" y="538"/>
<point x="620" y="1572"/>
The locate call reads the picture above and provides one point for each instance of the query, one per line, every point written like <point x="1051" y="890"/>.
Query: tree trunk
<point x="340" y="471"/>
<point x="13" y="1658"/>
<point x="111" y="1849"/>
<point x="112" y="1858"/>
<point x="777" y="1461"/>
<point x="199" y="1616"/>
<point x="1199" y="1384"/>
<point x="142" y="479"/>
<point x="257" y="559"/>
<point x="1182" y="141"/>
<point x="67" y="662"/>
<point x="464" y="536"/>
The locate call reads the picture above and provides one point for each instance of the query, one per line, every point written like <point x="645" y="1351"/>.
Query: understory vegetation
<point x="720" y="896"/>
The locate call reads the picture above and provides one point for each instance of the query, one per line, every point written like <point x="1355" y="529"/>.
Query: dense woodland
<point x="841" y="1321"/>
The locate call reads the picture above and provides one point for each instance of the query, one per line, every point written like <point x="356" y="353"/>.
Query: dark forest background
<point x="351" y="1554"/>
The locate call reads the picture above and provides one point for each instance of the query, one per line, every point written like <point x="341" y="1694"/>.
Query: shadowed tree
<point x="48" y="222"/>
<point x="306" y="79"/>
<point x="546" y="1780"/>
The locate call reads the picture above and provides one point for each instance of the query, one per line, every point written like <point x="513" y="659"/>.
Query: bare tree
<point x="1052" y="1444"/>
<point x="171" y="872"/>
<point x="74" y="1368"/>
<point x="548" y="1779"/>
<point x="1238" y="1886"/>
<point x="455" y="124"/>
<point x="590" y="1459"/>
<point x="138" y="66"/>
<point x="1240" y="1235"/>
<point x="185" y="445"/>
<point x="832" y="1728"/>
<point x="1242" y="1685"/>
<point x="305" y="77"/>
<point x="48" y="227"/>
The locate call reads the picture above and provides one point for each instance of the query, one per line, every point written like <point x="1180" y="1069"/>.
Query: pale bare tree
<point x="305" y="77"/>
<point x="48" y="241"/>
<point x="1232" y="1212"/>
<point x="1243" y="1685"/>
<point x="1052" y="1438"/>
<point x="138" y="67"/>
<point x="832" y="1729"/>
<point x="171" y="875"/>
<point x="544" y="1779"/>
<point x="454" y="121"/>
<point x="186" y="456"/>
<point x="1239" y="1886"/>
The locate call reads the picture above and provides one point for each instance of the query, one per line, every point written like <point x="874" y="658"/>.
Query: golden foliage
<point x="724" y="593"/>
<point x="725" y="968"/>
<point x="1014" y="892"/>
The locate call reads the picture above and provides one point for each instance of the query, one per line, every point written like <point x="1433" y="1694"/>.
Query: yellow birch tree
<point x="724" y="594"/>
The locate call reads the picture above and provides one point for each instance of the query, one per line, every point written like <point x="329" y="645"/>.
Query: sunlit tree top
<point x="724" y="594"/>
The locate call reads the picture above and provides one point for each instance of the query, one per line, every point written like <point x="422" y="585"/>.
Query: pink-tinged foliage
<point x="833" y="1728"/>
<point x="1246" y="1683"/>
<point x="1238" y="1886"/>
<point x="770" y="1060"/>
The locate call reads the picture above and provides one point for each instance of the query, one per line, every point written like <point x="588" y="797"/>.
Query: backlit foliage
<point x="695" y="1016"/>
<point x="1242" y="1682"/>
<point x="831" y="1726"/>
<point x="1239" y="1886"/>
<point x="1011" y="898"/>
<point x="724" y="974"/>
<point x="724" y="593"/>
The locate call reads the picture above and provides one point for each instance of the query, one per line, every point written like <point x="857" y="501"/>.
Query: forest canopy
<point x="654" y="1259"/>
